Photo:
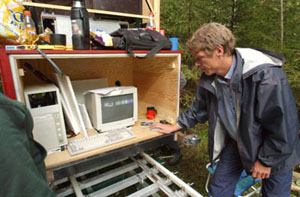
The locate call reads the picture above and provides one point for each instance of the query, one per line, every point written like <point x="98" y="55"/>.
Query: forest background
<point x="265" y="24"/>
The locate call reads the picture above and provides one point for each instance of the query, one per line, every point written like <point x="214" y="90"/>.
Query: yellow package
<point x="11" y="21"/>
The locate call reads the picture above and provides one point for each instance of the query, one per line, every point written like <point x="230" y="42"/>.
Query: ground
<point x="191" y="168"/>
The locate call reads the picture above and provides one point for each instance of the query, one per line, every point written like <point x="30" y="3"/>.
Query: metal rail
<point x="185" y="187"/>
<point x="141" y="173"/>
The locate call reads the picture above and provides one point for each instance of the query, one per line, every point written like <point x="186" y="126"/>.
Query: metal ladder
<point x="137" y="176"/>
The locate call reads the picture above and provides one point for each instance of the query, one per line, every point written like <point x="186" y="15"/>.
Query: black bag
<point x="140" y="39"/>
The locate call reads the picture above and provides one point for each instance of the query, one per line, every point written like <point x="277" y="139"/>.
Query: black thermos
<point x="80" y="26"/>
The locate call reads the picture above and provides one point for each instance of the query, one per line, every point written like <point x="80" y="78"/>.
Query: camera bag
<point x="140" y="39"/>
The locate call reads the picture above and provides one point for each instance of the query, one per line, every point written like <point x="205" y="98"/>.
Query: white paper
<point x="102" y="91"/>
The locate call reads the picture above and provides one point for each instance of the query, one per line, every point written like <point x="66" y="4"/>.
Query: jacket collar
<point x="207" y="82"/>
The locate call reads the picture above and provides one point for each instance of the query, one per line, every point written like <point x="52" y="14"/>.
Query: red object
<point x="162" y="32"/>
<point x="151" y="112"/>
<point x="6" y="75"/>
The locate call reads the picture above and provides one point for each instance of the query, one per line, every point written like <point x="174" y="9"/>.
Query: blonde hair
<point x="208" y="37"/>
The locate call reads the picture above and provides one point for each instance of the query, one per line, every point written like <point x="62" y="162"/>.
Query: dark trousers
<point x="229" y="170"/>
<point x="174" y="146"/>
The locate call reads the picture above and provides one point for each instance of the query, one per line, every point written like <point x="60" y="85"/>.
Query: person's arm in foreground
<point x="22" y="171"/>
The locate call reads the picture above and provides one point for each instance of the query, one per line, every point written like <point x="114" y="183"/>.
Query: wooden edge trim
<point x="59" y="7"/>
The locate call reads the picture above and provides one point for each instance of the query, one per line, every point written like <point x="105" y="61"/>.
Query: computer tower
<point x="43" y="101"/>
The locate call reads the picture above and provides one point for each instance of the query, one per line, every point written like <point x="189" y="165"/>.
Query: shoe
<point x="175" y="158"/>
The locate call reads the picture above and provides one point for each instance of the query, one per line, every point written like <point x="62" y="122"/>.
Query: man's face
<point x="208" y="64"/>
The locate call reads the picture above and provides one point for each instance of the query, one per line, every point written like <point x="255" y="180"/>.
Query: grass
<point x="191" y="168"/>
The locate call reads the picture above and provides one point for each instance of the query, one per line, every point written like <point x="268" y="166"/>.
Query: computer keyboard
<point x="100" y="140"/>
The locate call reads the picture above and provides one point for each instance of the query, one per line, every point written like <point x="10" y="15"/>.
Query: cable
<point x="54" y="66"/>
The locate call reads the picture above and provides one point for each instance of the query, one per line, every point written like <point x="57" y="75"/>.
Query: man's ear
<point x="219" y="51"/>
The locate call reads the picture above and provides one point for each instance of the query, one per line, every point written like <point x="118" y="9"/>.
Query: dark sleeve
<point x="197" y="113"/>
<point x="277" y="114"/>
<point x="182" y="80"/>
<point x="20" y="166"/>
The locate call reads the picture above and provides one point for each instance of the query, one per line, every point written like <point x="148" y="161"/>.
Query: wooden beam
<point x="294" y="187"/>
<point x="157" y="14"/>
<point x="150" y="6"/>
<point x="59" y="7"/>
<point x="154" y="6"/>
<point x="296" y="175"/>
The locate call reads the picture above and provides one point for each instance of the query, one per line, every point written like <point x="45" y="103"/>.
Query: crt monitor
<point x="113" y="107"/>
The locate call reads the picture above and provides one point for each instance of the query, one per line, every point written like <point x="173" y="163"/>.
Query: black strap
<point x="153" y="51"/>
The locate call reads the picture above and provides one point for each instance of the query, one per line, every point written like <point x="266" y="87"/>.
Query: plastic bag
<point x="11" y="21"/>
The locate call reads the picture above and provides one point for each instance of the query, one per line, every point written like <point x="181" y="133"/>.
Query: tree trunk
<point x="190" y="16"/>
<point x="281" y="24"/>
<point x="232" y="15"/>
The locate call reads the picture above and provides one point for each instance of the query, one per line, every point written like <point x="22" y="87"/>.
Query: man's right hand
<point x="165" y="128"/>
<point x="260" y="171"/>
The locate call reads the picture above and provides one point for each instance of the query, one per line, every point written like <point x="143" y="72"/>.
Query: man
<point x="246" y="99"/>
<point x="22" y="170"/>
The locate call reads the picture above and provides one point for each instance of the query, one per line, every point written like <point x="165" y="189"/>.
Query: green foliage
<point x="255" y="24"/>
<point x="192" y="167"/>
<point x="293" y="76"/>
<point x="188" y="92"/>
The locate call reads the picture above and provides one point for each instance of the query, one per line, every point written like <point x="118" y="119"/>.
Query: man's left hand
<point x="260" y="171"/>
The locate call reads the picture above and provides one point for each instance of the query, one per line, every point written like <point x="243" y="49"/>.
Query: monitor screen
<point x="113" y="107"/>
<point x="116" y="108"/>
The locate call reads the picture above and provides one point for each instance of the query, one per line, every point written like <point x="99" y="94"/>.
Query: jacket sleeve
<point x="22" y="170"/>
<point x="276" y="111"/>
<point x="197" y="113"/>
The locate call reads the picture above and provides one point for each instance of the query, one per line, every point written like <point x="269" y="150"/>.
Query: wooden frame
<point x="148" y="5"/>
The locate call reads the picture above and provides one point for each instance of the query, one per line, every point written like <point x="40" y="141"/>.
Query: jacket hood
<point x="262" y="58"/>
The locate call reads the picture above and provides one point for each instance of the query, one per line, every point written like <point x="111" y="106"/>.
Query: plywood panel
<point x="111" y="68"/>
<point x="157" y="83"/>
<point x="40" y="65"/>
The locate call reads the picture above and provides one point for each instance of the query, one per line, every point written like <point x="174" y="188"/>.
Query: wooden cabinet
<point x="156" y="78"/>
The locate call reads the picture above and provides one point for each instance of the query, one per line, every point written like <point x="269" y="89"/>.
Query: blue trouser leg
<point x="229" y="169"/>
<point x="278" y="185"/>
<point x="227" y="173"/>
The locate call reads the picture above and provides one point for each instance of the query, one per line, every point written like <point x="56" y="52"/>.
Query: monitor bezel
<point x="96" y="112"/>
